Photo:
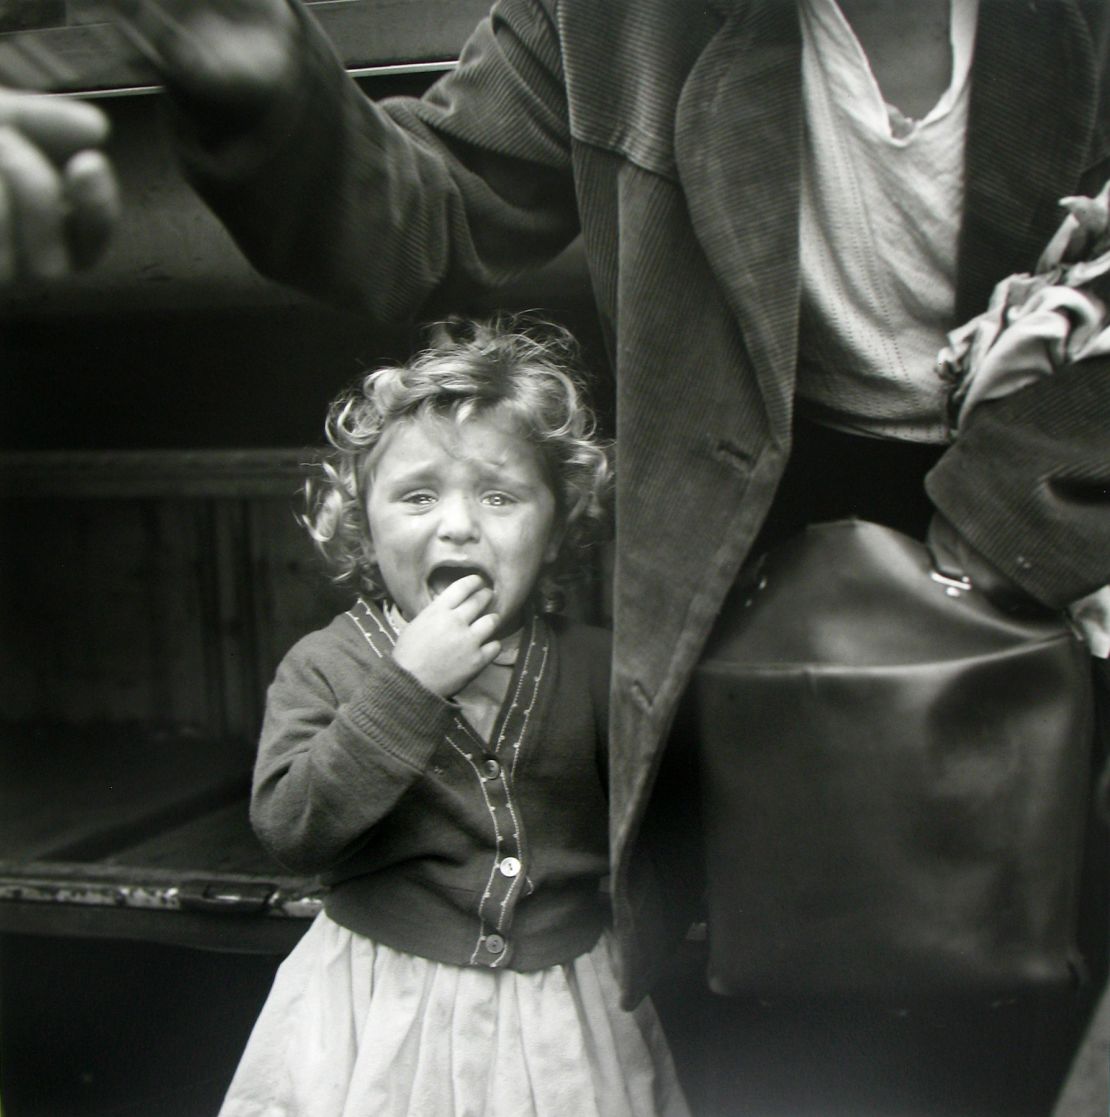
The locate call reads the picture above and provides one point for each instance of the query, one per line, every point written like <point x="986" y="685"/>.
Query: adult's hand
<point x="59" y="199"/>
<point x="953" y="556"/>
<point x="232" y="54"/>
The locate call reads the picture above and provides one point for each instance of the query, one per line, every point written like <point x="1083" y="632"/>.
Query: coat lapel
<point x="738" y="150"/>
<point x="1031" y="121"/>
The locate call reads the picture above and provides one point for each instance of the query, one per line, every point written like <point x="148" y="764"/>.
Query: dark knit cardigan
<point x="433" y="841"/>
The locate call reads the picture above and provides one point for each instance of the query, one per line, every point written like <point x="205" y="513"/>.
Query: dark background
<point x="153" y="414"/>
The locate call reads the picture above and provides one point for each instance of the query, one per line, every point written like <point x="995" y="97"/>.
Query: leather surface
<point x="895" y="779"/>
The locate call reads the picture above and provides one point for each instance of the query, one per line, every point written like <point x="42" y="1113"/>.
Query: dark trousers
<point x="832" y="476"/>
<point x="866" y="1059"/>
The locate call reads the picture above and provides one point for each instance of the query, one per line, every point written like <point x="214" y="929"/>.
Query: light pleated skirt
<point x="355" y="1029"/>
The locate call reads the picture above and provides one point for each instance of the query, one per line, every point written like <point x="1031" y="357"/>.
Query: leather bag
<point x="895" y="779"/>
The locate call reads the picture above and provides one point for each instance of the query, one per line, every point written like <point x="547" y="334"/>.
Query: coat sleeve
<point x="1027" y="483"/>
<point x="381" y="206"/>
<point x="330" y="766"/>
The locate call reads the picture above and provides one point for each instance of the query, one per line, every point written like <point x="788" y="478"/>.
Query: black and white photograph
<point x="554" y="558"/>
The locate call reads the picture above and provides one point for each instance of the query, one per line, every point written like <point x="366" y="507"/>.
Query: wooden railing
<point x="152" y="587"/>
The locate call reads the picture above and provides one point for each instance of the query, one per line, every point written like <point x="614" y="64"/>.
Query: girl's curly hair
<point x="518" y="368"/>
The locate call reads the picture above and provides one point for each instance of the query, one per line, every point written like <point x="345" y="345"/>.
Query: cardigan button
<point x="510" y="866"/>
<point x="491" y="768"/>
<point x="495" y="944"/>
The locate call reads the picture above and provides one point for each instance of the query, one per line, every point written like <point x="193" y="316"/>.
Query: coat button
<point x="510" y="866"/>
<point x="495" y="944"/>
<point x="491" y="768"/>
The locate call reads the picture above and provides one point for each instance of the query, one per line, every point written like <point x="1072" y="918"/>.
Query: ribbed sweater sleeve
<point x="345" y="735"/>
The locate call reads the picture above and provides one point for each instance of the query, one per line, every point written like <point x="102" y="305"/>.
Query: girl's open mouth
<point x="443" y="576"/>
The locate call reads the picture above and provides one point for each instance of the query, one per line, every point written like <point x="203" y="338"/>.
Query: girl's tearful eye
<point x="498" y="500"/>
<point x="420" y="499"/>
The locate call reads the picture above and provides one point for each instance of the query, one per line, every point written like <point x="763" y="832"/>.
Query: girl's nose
<point x="457" y="519"/>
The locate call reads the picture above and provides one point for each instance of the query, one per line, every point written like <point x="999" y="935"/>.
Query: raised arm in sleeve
<point x="1027" y="483"/>
<point x="380" y="206"/>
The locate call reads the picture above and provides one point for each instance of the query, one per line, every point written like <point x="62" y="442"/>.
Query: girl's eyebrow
<point x="501" y="465"/>
<point x="409" y="470"/>
<point x="508" y="477"/>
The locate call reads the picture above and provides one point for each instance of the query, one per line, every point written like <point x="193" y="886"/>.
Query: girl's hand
<point x="59" y="199"/>
<point x="451" y="640"/>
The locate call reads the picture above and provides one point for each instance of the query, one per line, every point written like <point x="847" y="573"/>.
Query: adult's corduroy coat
<point x="669" y="134"/>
